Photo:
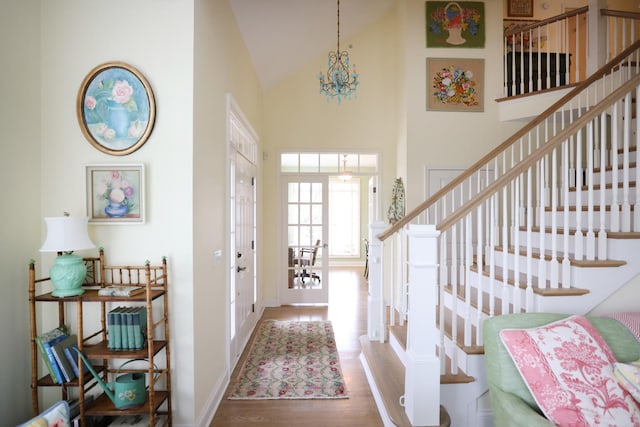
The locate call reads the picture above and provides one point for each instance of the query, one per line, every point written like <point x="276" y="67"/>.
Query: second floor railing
<point x="558" y="51"/>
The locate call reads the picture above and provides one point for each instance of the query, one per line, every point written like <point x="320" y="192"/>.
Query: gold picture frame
<point x="116" y="108"/>
<point x="520" y="8"/>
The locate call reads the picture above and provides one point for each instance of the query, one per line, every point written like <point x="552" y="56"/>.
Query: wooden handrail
<point x="547" y="21"/>
<point x="619" y="14"/>
<point x="532" y="158"/>
<point x="477" y="166"/>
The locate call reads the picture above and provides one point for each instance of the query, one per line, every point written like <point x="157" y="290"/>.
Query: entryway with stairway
<point x="548" y="221"/>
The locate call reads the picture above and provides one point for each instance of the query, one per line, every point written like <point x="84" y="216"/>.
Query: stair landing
<point x="388" y="374"/>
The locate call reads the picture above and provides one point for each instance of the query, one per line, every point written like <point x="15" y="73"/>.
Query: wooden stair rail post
<point x="375" y="300"/>
<point x="422" y="374"/>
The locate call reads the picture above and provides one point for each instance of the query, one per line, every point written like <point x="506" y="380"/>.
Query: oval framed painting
<point x="116" y="108"/>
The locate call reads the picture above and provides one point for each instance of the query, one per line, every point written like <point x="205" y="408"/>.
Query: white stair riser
<point x="584" y="218"/>
<point x="608" y="176"/>
<point x="608" y="196"/>
<point x="559" y="240"/>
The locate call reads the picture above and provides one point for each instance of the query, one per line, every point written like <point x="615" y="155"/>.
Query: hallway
<point x="348" y="312"/>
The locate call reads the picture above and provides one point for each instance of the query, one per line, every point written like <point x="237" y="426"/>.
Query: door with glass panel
<point x="306" y="280"/>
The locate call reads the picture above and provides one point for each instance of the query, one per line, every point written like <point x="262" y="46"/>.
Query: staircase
<point x="549" y="221"/>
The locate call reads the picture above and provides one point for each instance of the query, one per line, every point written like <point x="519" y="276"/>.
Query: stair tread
<point x="522" y="283"/>
<point x="462" y="289"/>
<point x="388" y="373"/>
<point x="584" y="208"/>
<point x="620" y="166"/>
<point x="610" y="234"/>
<point x="535" y="253"/>
<point x="596" y="187"/>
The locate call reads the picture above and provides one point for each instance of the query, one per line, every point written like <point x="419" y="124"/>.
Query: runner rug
<point x="292" y="360"/>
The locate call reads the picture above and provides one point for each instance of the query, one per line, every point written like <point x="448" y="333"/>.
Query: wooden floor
<point x="348" y="313"/>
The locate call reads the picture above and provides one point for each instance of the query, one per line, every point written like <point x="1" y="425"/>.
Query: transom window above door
<point x="329" y="163"/>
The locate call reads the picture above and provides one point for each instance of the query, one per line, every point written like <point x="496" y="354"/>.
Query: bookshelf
<point x="91" y="309"/>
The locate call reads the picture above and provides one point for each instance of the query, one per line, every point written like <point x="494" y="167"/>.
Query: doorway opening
<point x="326" y="210"/>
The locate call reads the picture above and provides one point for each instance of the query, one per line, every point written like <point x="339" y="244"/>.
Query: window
<point x="344" y="218"/>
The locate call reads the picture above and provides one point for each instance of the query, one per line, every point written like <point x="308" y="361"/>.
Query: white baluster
<point x="625" y="220"/>
<point x="591" y="237"/>
<point x="602" y="233"/>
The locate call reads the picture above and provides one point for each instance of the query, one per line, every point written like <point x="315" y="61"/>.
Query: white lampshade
<point x="66" y="234"/>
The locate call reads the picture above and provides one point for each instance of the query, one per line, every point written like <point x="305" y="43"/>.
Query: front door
<point x="305" y="249"/>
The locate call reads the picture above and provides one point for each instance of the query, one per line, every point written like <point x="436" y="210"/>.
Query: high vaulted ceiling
<point x="283" y="36"/>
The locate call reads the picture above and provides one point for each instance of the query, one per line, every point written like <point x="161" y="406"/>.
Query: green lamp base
<point x="67" y="275"/>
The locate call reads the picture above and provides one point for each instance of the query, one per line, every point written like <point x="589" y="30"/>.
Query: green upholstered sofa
<point x="512" y="403"/>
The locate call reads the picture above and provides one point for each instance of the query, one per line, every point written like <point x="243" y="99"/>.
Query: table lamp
<point x="67" y="234"/>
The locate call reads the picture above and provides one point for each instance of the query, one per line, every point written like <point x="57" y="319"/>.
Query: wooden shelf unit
<point x="94" y="344"/>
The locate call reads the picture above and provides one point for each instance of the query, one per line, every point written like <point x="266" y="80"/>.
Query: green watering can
<point x="127" y="391"/>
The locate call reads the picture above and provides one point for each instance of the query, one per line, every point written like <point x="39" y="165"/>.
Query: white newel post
<point x="375" y="300"/>
<point x="422" y="375"/>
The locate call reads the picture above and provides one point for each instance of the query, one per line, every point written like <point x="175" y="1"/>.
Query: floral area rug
<point x="292" y="360"/>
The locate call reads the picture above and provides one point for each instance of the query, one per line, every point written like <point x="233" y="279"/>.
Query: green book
<point x="111" y="345"/>
<point x="139" y="319"/>
<point x="117" y="328"/>
<point x="124" y="328"/>
<point x="44" y="342"/>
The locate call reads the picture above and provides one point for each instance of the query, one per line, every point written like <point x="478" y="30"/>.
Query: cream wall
<point x="20" y="207"/>
<point x="297" y="117"/>
<point x="153" y="37"/>
<point x="442" y="139"/>
<point x="221" y="66"/>
<point x="43" y="168"/>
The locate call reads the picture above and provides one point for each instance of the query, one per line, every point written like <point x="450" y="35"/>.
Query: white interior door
<point x="243" y="256"/>
<point x="306" y="264"/>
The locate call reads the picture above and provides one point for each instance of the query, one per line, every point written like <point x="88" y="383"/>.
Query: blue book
<point x="59" y="378"/>
<point x="61" y="359"/>
<point x="128" y="320"/>
<point x="72" y="358"/>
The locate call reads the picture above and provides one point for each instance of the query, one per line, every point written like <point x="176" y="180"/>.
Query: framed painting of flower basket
<point x="115" y="194"/>
<point x="116" y="108"/>
<point x="455" y="84"/>
<point x="455" y="24"/>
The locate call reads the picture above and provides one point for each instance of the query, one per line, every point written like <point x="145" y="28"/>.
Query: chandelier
<point x="338" y="81"/>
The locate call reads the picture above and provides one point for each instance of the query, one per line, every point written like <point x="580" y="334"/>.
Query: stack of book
<point x="126" y="328"/>
<point x="56" y="348"/>
<point x="120" y="291"/>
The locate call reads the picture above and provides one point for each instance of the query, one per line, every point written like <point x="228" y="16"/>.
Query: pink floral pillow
<point x="568" y="367"/>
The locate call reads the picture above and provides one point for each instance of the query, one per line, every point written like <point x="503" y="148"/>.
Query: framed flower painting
<point x="115" y="194"/>
<point x="116" y="108"/>
<point x="455" y="84"/>
<point x="455" y="24"/>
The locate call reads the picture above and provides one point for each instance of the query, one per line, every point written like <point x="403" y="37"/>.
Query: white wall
<point x="20" y="217"/>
